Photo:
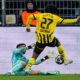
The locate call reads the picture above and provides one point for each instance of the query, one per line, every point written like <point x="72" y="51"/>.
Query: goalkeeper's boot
<point x="66" y="62"/>
<point x="53" y="72"/>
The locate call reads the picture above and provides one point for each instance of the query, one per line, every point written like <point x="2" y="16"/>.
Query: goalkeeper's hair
<point x="21" y="44"/>
<point x="51" y="9"/>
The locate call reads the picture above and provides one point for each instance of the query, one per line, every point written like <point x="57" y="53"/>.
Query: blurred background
<point x="13" y="17"/>
<point x="66" y="9"/>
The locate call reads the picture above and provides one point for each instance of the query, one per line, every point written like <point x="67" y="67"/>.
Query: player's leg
<point x="37" y="50"/>
<point x="56" y="43"/>
<point x="18" y="65"/>
<point x="61" y="51"/>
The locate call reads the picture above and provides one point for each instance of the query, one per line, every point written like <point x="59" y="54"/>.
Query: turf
<point x="41" y="77"/>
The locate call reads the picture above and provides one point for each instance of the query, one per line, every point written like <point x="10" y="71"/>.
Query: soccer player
<point x="19" y="61"/>
<point x="46" y="25"/>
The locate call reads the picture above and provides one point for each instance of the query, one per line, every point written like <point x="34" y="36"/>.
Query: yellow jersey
<point x="46" y="25"/>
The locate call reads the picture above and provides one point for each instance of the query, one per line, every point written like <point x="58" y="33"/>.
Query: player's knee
<point x="23" y="63"/>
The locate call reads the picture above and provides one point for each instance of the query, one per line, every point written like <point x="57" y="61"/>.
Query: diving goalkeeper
<point x="19" y="62"/>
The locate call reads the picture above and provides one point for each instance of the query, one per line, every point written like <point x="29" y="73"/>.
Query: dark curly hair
<point x="18" y="45"/>
<point x="51" y="9"/>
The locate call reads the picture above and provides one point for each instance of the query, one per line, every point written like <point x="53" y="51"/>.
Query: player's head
<point x="21" y="45"/>
<point x="51" y="9"/>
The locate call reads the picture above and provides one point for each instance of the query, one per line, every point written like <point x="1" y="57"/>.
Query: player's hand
<point x="78" y="18"/>
<point x="27" y="30"/>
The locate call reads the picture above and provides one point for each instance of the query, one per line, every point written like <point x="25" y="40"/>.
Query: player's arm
<point x="30" y="18"/>
<point x="68" y="21"/>
<point x="21" y="50"/>
<point x="28" y="23"/>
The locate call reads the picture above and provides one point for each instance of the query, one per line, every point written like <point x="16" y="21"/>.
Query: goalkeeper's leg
<point x="18" y="65"/>
<point x="52" y="72"/>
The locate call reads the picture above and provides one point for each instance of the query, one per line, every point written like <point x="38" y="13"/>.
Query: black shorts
<point x="39" y="47"/>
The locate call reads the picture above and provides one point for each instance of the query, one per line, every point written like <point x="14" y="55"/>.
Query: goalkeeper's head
<point x="21" y="45"/>
<point x="51" y="9"/>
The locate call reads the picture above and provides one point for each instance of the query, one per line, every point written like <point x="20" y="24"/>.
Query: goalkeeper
<point x="19" y="61"/>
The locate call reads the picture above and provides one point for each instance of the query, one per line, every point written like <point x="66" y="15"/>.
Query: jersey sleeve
<point x="66" y="21"/>
<point x="59" y="19"/>
<point x="69" y="21"/>
<point x="30" y="18"/>
<point x="36" y="16"/>
<point x="19" y="51"/>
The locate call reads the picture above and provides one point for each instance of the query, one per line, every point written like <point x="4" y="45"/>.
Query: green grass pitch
<point x="45" y="77"/>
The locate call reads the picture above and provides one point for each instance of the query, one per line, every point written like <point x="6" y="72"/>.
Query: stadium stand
<point x="67" y="8"/>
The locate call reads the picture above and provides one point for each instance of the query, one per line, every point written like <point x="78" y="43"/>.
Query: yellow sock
<point x="62" y="52"/>
<point x="30" y="63"/>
